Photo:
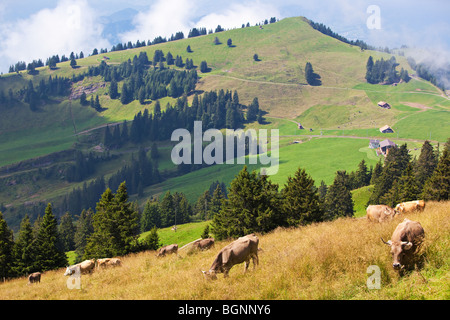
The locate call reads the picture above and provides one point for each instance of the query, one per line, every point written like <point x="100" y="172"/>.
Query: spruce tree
<point x="151" y="216"/>
<point x="152" y="241"/>
<point x="24" y="249"/>
<point x="115" y="226"/>
<point x="48" y="255"/>
<point x="67" y="232"/>
<point x="113" y="92"/>
<point x="338" y="201"/>
<point x="6" y="249"/>
<point x="216" y="202"/>
<point x="84" y="229"/>
<point x="301" y="202"/>
<point x="309" y="73"/>
<point x="437" y="187"/>
<point x="426" y="163"/>
<point x="253" y="205"/>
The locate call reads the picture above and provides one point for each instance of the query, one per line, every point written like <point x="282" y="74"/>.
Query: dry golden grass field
<point x="321" y="261"/>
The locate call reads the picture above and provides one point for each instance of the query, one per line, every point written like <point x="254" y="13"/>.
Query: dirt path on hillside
<point x="325" y="87"/>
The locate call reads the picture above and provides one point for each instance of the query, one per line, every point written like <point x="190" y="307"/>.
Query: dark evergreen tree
<point x="6" y="249"/>
<point x="338" y="201"/>
<point x="151" y="241"/>
<point x="84" y="229"/>
<point x="426" y="163"/>
<point x="301" y="203"/>
<point x="24" y="249"/>
<point x="151" y="216"/>
<point x="113" y="92"/>
<point x="437" y="187"/>
<point x="67" y="233"/>
<point x="115" y="226"/>
<point x="253" y="205"/>
<point x="48" y="256"/>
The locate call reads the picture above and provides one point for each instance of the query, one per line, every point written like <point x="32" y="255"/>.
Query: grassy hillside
<point x="322" y="261"/>
<point x="277" y="80"/>
<point x="342" y="112"/>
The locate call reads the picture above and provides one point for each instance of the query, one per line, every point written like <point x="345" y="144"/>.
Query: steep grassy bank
<point x="321" y="261"/>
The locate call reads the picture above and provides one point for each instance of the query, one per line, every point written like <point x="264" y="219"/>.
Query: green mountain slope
<point x="344" y="107"/>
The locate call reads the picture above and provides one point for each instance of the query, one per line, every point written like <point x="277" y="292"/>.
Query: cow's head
<point x="398" y="250"/>
<point x="68" y="271"/>
<point x="210" y="275"/>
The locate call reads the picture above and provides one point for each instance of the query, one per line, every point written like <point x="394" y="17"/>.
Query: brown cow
<point x="406" y="238"/>
<point x="203" y="244"/>
<point x="171" y="248"/>
<point x="241" y="250"/>
<point x="108" y="262"/>
<point x="87" y="266"/>
<point x="410" y="206"/>
<point x="34" y="277"/>
<point x="380" y="213"/>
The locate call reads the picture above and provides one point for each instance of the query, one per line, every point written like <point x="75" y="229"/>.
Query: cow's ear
<point x="407" y="245"/>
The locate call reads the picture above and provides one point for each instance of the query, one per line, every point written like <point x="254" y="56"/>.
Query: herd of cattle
<point x="404" y="241"/>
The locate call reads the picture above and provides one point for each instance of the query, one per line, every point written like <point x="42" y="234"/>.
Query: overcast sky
<point x="40" y="28"/>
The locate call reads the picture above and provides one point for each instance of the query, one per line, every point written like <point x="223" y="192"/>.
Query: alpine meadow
<point x="88" y="142"/>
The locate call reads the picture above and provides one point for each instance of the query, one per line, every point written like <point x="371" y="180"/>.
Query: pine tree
<point x="24" y="249"/>
<point x="309" y="73"/>
<point x="252" y="206"/>
<point x="48" y="255"/>
<point x="115" y="226"/>
<point x="6" y="249"/>
<point x="67" y="232"/>
<point x="338" y="201"/>
<point x="113" y="92"/>
<point x="84" y="229"/>
<point x="437" y="187"/>
<point x="362" y="177"/>
<point x="301" y="202"/>
<point x="151" y="216"/>
<point x="253" y="110"/>
<point x="152" y="242"/>
<point x="167" y="210"/>
<point x="426" y="163"/>
<point x="216" y="202"/>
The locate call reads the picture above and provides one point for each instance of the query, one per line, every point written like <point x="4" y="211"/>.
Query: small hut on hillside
<point x="385" y="145"/>
<point x="384" y="104"/>
<point x="386" y="129"/>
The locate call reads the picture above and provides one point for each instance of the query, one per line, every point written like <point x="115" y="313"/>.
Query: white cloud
<point x="70" y="26"/>
<point x="166" y="17"/>
<point x="238" y="13"/>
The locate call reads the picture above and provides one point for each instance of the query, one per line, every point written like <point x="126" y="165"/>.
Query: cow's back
<point x="241" y="250"/>
<point x="408" y="230"/>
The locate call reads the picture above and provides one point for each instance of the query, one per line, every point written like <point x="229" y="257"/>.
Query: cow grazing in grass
<point x="380" y="213"/>
<point x="410" y="206"/>
<point x="108" y="262"/>
<point x="34" y="277"/>
<point x="203" y="244"/>
<point x="404" y="242"/>
<point x="86" y="266"/>
<point x="171" y="248"/>
<point x="239" y="251"/>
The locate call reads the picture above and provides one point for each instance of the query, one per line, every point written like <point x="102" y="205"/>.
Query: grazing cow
<point x="410" y="206"/>
<point x="108" y="262"/>
<point x="241" y="250"/>
<point x="87" y="266"/>
<point x="406" y="238"/>
<point x="171" y="248"/>
<point x="203" y="244"/>
<point x="380" y="213"/>
<point x="34" y="277"/>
